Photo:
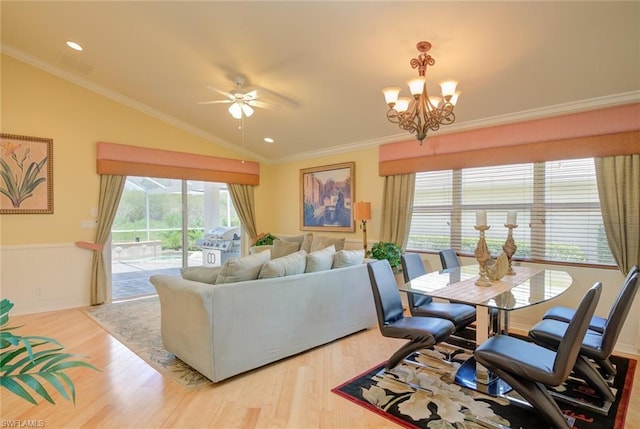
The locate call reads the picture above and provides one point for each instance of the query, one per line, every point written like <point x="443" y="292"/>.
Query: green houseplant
<point x="28" y="363"/>
<point x="389" y="251"/>
<point x="265" y="240"/>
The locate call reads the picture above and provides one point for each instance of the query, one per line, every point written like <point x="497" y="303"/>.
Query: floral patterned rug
<point x="136" y="324"/>
<point x="421" y="394"/>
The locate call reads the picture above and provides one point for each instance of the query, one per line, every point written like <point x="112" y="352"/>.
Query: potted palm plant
<point x="28" y="363"/>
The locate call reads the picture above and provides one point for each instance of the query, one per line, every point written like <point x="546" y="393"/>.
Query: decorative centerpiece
<point x="509" y="246"/>
<point x="482" y="251"/>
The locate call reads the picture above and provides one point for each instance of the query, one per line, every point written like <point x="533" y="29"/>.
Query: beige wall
<point x="41" y="270"/>
<point x="35" y="103"/>
<point x="279" y="191"/>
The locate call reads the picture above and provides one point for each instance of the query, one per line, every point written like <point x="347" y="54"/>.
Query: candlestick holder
<point x="483" y="256"/>
<point x="509" y="246"/>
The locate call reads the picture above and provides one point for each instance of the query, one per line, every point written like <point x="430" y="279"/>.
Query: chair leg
<point x="585" y="369"/>
<point x="406" y="350"/>
<point x="536" y="394"/>
<point x="606" y="368"/>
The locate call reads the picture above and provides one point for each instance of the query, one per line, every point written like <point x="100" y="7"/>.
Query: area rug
<point x="136" y="324"/>
<point x="421" y="394"/>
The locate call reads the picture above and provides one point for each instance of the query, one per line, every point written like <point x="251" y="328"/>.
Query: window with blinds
<point x="558" y="211"/>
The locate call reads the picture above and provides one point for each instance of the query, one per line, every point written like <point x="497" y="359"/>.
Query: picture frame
<point x="26" y="174"/>
<point x="327" y="197"/>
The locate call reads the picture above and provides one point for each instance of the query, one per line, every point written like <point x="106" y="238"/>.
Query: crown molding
<point x="527" y="115"/>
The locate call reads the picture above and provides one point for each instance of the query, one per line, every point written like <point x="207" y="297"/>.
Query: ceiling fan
<point x="242" y="102"/>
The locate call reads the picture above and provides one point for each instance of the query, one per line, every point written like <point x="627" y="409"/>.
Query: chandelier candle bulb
<point x="512" y="217"/>
<point x="481" y="218"/>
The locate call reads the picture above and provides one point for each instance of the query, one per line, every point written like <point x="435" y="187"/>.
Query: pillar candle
<point x="481" y="218"/>
<point x="511" y="217"/>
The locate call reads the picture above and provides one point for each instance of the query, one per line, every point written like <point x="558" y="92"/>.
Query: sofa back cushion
<point x="242" y="268"/>
<point x="288" y="265"/>
<point x="347" y="258"/>
<point x="201" y="274"/>
<point x="283" y="248"/>
<point x="320" y="260"/>
<point x="303" y="239"/>
<point x="320" y="242"/>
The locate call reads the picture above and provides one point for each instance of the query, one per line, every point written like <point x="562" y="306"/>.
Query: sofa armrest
<point x="186" y="315"/>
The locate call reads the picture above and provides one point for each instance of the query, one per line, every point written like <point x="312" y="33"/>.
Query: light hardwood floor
<point x="128" y="393"/>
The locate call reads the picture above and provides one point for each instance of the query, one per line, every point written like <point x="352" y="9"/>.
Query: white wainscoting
<point x="45" y="277"/>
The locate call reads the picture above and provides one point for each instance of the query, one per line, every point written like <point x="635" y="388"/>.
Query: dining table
<point x="527" y="286"/>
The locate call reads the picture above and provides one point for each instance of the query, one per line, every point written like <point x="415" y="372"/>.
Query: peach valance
<point x="125" y="160"/>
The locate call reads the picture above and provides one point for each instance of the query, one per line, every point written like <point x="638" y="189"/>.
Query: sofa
<point x="225" y="327"/>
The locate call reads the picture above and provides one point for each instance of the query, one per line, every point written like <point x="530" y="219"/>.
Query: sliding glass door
<point x="160" y="227"/>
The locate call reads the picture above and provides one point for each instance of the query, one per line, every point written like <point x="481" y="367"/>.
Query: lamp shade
<point x="362" y="211"/>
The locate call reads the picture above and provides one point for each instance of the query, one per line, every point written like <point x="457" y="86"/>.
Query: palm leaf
<point x="28" y="365"/>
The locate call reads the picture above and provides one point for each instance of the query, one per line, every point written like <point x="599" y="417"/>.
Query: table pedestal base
<point x="466" y="377"/>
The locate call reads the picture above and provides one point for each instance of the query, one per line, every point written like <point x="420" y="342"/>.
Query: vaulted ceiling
<point x="324" y="63"/>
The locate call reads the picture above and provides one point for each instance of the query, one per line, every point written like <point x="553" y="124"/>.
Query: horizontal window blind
<point x="557" y="206"/>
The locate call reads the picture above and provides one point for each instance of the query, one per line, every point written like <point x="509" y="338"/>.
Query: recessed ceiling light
<point x="268" y="140"/>
<point x="74" y="45"/>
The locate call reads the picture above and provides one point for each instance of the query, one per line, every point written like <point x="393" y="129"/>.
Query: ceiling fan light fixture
<point x="247" y="110"/>
<point x="235" y="110"/>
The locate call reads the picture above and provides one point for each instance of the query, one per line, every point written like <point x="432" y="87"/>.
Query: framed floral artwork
<point x="26" y="174"/>
<point x="326" y="197"/>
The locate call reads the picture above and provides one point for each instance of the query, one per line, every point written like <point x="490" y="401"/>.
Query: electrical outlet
<point x="88" y="224"/>
<point x="37" y="291"/>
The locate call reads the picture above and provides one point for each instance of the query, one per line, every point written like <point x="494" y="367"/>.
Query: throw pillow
<point x="284" y="266"/>
<point x="283" y="248"/>
<point x="347" y="258"/>
<point x="320" y="260"/>
<point x="201" y="274"/>
<point x="242" y="268"/>
<point x="320" y="243"/>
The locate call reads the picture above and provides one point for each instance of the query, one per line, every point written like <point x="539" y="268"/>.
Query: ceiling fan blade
<point x="215" y="101"/>
<point x="225" y="93"/>
<point x="251" y="95"/>
<point x="263" y="104"/>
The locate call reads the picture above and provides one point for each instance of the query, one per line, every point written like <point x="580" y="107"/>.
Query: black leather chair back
<point x="619" y="312"/>
<point x="449" y="259"/>
<point x="569" y="347"/>
<point x="412" y="267"/>
<point x="385" y="292"/>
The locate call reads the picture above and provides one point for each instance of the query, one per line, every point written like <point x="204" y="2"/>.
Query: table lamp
<point x="362" y="212"/>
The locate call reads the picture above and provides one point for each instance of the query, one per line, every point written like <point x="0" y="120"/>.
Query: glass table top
<point x="529" y="286"/>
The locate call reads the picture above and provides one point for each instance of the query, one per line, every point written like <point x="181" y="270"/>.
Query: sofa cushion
<point x="257" y="249"/>
<point x="320" y="242"/>
<point x="242" y="268"/>
<point x="283" y="248"/>
<point x="320" y="260"/>
<point x="288" y="265"/>
<point x="201" y="274"/>
<point x="303" y="239"/>
<point x="347" y="258"/>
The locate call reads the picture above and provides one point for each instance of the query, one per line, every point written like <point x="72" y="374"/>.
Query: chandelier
<point x="421" y="113"/>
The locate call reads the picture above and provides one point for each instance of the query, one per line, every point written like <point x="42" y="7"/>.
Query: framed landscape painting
<point x="326" y="197"/>
<point x="26" y="174"/>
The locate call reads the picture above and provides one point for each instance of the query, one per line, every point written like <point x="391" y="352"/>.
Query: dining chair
<point x="530" y="368"/>
<point x="461" y="315"/>
<point x="449" y="259"/>
<point x="595" y="345"/>
<point x="422" y="332"/>
<point x="564" y="314"/>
